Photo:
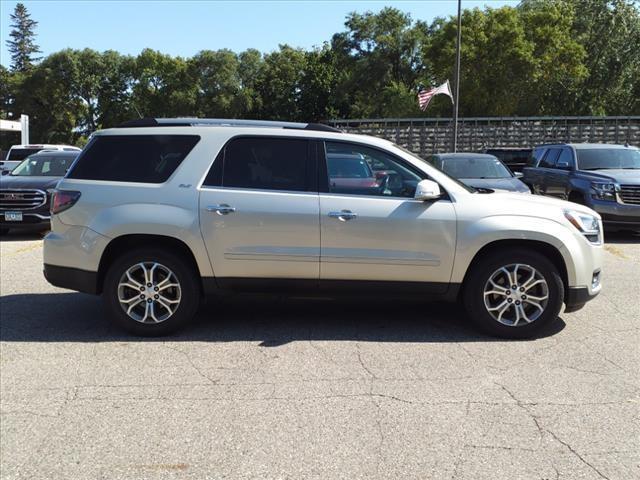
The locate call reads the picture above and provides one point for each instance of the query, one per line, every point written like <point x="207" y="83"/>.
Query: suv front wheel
<point x="151" y="292"/>
<point x="513" y="293"/>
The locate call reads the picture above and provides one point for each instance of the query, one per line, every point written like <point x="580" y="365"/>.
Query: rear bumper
<point x="72" y="278"/>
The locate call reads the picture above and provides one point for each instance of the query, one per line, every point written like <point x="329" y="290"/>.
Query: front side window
<point x="565" y="159"/>
<point x="266" y="163"/>
<point x="550" y="158"/>
<point x="133" y="158"/>
<point x="358" y="170"/>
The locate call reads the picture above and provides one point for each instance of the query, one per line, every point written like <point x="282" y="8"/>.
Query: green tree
<point x="218" y="83"/>
<point x="278" y="83"/>
<point x="22" y="45"/>
<point x="163" y="86"/>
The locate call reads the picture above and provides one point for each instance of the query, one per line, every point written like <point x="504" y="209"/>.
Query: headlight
<point x="604" y="191"/>
<point x="587" y="224"/>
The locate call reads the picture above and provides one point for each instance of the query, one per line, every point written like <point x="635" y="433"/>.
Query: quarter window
<point x="133" y="158"/>
<point x="358" y="170"/>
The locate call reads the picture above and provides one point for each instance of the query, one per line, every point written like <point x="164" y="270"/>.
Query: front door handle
<point x="222" y="209"/>
<point x="343" y="215"/>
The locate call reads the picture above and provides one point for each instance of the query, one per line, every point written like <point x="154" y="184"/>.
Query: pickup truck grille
<point x="22" y="199"/>
<point x="630" y="194"/>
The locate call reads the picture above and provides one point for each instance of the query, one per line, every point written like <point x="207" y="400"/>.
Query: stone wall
<point x="431" y="135"/>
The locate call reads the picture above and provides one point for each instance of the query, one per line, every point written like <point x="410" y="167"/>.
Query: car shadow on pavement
<point x="274" y="321"/>
<point x="621" y="237"/>
<point x="25" y="236"/>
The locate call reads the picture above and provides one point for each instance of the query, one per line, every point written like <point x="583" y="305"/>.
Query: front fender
<point x="475" y="235"/>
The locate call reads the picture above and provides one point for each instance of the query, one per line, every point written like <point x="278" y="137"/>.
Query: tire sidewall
<point x="190" y="292"/>
<point x="474" y="293"/>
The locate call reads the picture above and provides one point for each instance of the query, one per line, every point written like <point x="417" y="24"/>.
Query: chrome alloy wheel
<point x="149" y="292"/>
<point x="516" y="294"/>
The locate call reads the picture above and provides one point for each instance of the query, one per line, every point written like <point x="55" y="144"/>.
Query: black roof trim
<point x="188" y="122"/>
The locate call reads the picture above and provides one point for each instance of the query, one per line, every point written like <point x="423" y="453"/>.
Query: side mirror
<point x="518" y="174"/>
<point x="562" y="165"/>
<point x="5" y="172"/>
<point x="427" y="190"/>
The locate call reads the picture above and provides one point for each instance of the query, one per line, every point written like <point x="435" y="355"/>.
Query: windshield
<point x="454" y="180"/>
<point x="21" y="153"/>
<point x="484" y="167"/>
<point x="44" y="166"/>
<point x="602" y="158"/>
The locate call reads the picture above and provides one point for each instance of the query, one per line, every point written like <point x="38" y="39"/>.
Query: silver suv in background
<point x="160" y="212"/>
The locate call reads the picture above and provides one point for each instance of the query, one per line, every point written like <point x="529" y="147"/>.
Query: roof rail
<point x="223" y="122"/>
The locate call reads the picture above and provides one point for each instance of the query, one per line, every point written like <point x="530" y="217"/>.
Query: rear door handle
<point x="343" y="215"/>
<point x="222" y="209"/>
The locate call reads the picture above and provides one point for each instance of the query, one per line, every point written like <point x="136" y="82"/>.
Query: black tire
<point x="4" y="231"/>
<point x="477" y="278"/>
<point x="189" y="291"/>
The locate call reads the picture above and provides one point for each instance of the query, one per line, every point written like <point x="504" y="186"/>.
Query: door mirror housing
<point x="5" y="172"/>
<point x="427" y="190"/>
<point x="518" y="174"/>
<point x="563" y="166"/>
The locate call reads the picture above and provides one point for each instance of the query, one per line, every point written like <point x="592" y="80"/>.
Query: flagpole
<point x="456" y="101"/>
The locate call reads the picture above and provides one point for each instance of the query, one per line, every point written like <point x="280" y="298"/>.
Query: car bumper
<point x="577" y="297"/>
<point x="29" y="220"/>
<point x="72" y="278"/>
<point x="618" y="215"/>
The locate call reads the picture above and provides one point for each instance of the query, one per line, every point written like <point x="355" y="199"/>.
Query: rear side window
<point x="266" y="163"/>
<point x="133" y="158"/>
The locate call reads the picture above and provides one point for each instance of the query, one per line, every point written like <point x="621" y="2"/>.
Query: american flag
<point x="425" y="96"/>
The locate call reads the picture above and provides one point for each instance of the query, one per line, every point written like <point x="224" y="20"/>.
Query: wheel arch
<point x="124" y="243"/>
<point x="549" y="251"/>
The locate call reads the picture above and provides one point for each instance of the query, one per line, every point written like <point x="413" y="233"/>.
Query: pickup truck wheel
<point x="151" y="292"/>
<point x="514" y="293"/>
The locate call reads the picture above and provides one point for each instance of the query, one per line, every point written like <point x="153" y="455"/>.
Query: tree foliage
<point x="22" y="45"/>
<point x="544" y="57"/>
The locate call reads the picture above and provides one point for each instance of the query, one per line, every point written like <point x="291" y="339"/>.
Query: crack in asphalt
<point x="542" y="430"/>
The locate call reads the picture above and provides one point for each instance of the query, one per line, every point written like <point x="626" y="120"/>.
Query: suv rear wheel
<point x="151" y="292"/>
<point x="513" y="293"/>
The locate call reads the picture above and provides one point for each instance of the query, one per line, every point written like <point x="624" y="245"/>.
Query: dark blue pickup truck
<point x="603" y="177"/>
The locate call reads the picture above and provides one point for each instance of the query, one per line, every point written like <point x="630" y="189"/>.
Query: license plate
<point x="13" y="216"/>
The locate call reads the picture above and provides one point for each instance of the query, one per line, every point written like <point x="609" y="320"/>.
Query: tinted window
<point x="550" y="158"/>
<point x="266" y="164"/>
<point x="133" y="158"/>
<point x="21" y="153"/>
<point x="358" y="170"/>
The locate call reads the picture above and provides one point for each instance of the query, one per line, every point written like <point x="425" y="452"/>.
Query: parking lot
<point x="301" y="388"/>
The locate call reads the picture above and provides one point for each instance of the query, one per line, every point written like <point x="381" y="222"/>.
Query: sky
<point x="186" y="27"/>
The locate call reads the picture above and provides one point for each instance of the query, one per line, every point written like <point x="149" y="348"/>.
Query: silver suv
<point x="157" y="213"/>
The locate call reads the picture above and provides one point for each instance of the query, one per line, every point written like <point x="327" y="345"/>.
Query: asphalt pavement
<point x="280" y="388"/>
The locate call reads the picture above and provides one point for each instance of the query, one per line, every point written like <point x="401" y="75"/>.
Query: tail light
<point x="62" y="200"/>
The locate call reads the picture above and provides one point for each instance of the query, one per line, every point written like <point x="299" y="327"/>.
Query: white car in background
<point x="17" y="153"/>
